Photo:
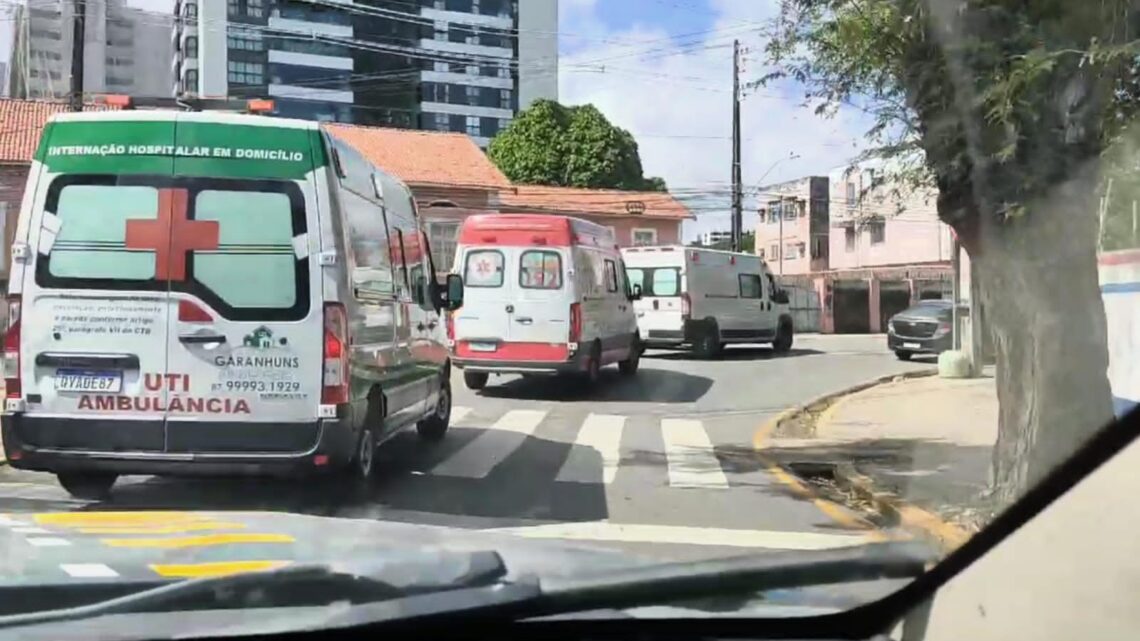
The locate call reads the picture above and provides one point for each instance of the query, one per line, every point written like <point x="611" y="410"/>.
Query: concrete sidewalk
<point x="923" y="442"/>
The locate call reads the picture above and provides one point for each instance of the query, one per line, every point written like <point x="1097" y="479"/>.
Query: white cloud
<point x="675" y="96"/>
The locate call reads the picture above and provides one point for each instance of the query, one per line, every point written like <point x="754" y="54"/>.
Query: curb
<point x="911" y="518"/>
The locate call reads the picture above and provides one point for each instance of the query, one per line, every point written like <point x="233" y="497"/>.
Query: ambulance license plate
<point x="82" y="380"/>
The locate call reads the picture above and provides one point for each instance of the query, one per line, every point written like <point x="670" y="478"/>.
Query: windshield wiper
<point x="650" y="585"/>
<point x="387" y="578"/>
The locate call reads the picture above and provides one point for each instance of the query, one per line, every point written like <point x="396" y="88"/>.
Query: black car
<point x="924" y="328"/>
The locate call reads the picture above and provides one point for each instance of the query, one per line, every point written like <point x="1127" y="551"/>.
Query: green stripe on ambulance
<point x="184" y="148"/>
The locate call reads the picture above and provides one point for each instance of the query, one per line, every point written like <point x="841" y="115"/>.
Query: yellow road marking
<point x="199" y="541"/>
<point x="96" y="519"/>
<point x="222" y="568"/>
<point x="162" y="529"/>
<point x="832" y="510"/>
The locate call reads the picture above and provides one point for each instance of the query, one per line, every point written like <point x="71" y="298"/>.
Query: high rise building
<point x="451" y="65"/>
<point x="118" y="49"/>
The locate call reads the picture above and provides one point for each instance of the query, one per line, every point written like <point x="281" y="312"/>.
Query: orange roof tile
<point x="22" y="121"/>
<point x="424" y="157"/>
<point x="606" y="202"/>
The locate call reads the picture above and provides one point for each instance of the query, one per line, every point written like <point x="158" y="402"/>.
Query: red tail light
<point x="12" y="349"/>
<point x="686" y="305"/>
<point x="334" y="382"/>
<point x="944" y="326"/>
<point x="575" y="322"/>
<point x="449" y="322"/>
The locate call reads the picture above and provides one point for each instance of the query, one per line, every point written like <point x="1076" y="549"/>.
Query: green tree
<point x="552" y="144"/>
<point x="1009" y="106"/>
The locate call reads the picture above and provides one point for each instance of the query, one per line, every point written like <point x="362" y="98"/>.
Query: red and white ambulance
<point x="543" y="295"/>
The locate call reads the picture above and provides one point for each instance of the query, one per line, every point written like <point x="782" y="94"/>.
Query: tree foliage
<point x="1008" y="107"/>
<point x="552" y="144"/>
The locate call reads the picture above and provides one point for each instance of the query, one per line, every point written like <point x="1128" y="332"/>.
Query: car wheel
<point x="364" y="463"/>
<point x="475" y="380"/>
<point x="903" y="356"/>
<point x="629" y="366"/>
<point x="708" y="343"/>
<point x="784" y="338"/>
<point x="434" y="427"/>
<point x="90" y="486"/>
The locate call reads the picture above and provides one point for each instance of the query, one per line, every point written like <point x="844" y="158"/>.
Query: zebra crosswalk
<point x="597" y="446"/>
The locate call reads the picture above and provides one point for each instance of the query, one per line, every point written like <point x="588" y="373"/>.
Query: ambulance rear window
<point x="228" y="242"/>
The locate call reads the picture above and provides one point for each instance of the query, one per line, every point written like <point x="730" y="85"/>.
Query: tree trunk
<point x="1038" y="276"/>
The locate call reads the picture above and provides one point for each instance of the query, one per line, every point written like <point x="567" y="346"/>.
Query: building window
<point x="254" y="8"/>
<point x="191" y="10"/>
<point x="245" y="40"/>
<point x="472" y="70"/>
<point x="440" y="35"/>
<point x="849" y="239"/>
<point x="472" y="95"/>
<point x="506" y="122"/>
<point x="442" y="123"/>
<point x="819" y="247"/>
<point x="775" y="251"/>
<point x="440" y="66"/>
<point x="878" y="233"/>
<point x="473" y="126"/>
<point x="504" y="98"/>
<point x="245" y="73"/>
<point x="850" y="194"/>
<point x="443" y="238"/>
<point x="191" y="84"/>
<point x="192" y="47"/>
<point x="642" y="237"/>
<point x="504" y="71"/>
<point x="801" y="250"/>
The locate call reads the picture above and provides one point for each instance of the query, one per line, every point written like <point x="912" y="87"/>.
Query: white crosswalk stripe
<point x="476" y="459"/>
<point x="689" y="454"/>
<point x="598" y="438"/>
<point x="458" y="413"/>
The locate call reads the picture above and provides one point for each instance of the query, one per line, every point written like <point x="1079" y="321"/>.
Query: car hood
<point x="150" y="548"/>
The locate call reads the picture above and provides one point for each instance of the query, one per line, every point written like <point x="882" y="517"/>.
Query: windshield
<point x="669" y="281"/>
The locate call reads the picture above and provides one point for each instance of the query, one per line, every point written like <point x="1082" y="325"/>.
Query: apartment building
<point x="862" y="245"/>
<point x="463" y="66"/>
<point x="120" y="43"/>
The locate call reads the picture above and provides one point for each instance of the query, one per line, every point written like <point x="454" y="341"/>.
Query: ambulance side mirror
<point x="454" y="292"/>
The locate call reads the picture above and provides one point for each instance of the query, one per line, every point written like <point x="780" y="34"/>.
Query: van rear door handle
<point x="202" y="339"/>
<point x="525" y="320"/>
<point x="64" y="359"/>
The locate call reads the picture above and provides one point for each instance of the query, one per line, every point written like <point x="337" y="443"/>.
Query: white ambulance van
<point x="705" y="299"/>
<point x="543" y="295"/>
<point x="203" y="292"/>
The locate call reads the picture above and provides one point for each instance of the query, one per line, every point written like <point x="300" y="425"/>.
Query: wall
<point x="537" y="51"/>
<point x="912" y="232"/>
<point x="668" y="230"/>
<point x="1120" y="290"/>
<point x="796" y="229"/>
<point x="12" y="180"/>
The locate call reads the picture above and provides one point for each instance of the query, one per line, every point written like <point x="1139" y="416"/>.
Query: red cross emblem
<point x="172" y="235"/>
<point x="483" y="267"/>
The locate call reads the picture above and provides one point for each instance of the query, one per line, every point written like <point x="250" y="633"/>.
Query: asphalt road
<point x="661" y="464"/>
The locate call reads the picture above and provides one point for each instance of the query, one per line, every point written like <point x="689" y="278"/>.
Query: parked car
<point x="705" y="299"/>
<point x="925" y="328"/>
<point x="544" y="295"/>
<point x="217" y="296"/>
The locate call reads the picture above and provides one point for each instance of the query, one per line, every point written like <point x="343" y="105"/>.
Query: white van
<point x="544" y="295"/>
<point x="706" y="299"/>
<point x="215" y="293"/>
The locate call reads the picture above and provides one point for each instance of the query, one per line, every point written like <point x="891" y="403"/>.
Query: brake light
<point x="944" y="326"/>
<point x="334" y="381"/>
<point x="686" y="305"/>
<point x="12" y="349"/>
<point x="575" y="322"/>
<point x="449" y="322"/>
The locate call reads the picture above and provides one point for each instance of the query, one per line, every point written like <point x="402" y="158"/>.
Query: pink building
<point x="863" y="249"/>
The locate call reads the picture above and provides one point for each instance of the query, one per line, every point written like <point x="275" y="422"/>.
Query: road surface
<point x="661" y="464"/>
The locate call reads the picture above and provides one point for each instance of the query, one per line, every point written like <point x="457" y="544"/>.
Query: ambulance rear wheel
<point x="475" y="380"/>
<point x="90" y="486"/>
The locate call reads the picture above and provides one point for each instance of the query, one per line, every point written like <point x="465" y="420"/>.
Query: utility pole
<point x="956" y="292"/>
<point x="737" y="199"/>
<point x="77" y="42"/>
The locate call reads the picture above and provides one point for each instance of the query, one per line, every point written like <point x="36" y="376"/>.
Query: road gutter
<point x="891" y="508"/>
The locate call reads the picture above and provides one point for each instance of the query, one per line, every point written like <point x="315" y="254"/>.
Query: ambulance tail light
<point x="334" y="383"/>
<point x="575" y="322"/>
<point x="12" y="349"/>
<point x="449" y="321"/>
<point x="686" y="305"/>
